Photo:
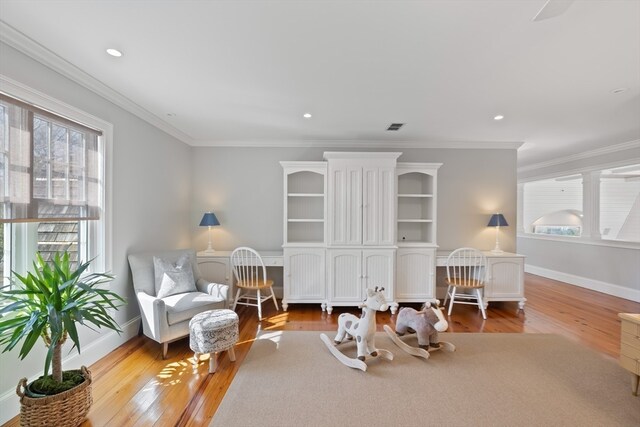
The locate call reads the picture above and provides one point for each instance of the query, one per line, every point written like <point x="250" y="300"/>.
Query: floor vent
<point x="395" y="126"/>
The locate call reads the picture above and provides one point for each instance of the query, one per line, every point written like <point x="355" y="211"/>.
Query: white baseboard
<point x="585" y="282"/>
<point x="9" y="401"/>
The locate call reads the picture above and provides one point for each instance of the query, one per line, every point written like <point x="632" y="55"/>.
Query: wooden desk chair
<point x="251" y="276"/>
<point x="466" y="270"/>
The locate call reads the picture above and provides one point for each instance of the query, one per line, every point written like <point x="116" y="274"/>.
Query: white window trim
<point x="27" y="94"/>
<point x="586" y="240"/>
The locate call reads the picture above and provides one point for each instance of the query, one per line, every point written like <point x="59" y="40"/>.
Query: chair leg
<point x="259" y="305"/>
<point x="165" y="349"/>
<point x="446" y="297"/>
<point x="453" y="297"/>
<point x="235" y="301"/>
<point x="481" y="304"/>
<point x="274" y="298"/>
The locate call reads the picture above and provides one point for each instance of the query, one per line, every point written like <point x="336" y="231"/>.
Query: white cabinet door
<point x="378" y="184"/>
<point x="378" y="270"/>
<point x="505" y="278"/>
<point x="215" y="270"/>
<point x="415" y="278"/>
<point x="304" y="275"/>
<point x="345" y="205"/>
<point x="345" y="275"/>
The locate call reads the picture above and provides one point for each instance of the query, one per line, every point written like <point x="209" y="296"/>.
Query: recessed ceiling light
<point x="619" y="90"/>
<point x="498" y="117"/>
<point x="307" y="115"/>
<point x="114" y="52"/>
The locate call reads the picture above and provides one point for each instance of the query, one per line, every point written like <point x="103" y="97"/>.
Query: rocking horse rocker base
<point x="417" y="351"/>
<point x="362" y="329"/>
<point x="352" y="362"/>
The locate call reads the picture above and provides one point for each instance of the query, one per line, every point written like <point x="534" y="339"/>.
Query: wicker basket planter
<point x="66" y="409"/>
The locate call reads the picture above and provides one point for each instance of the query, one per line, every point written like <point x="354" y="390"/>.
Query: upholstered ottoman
<point x="212" y="331"/>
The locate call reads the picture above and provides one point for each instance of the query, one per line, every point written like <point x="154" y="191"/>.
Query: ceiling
<point x="244" y="72"/>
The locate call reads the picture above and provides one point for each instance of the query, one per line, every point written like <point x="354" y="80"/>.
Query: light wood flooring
<point x="134" y="386"/>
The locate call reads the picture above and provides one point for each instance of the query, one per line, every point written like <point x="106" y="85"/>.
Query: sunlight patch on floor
<point x="278" y="320"/>
<point x="171" y="373"/>
<point x="274" y="336"/>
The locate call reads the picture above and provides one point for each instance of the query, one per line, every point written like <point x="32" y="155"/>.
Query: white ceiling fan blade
<point x="552" y="8"/>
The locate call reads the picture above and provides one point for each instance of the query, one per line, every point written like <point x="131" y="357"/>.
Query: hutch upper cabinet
<point x="361" y="198"/>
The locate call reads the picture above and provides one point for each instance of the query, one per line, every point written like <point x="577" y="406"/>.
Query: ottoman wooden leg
<point x="213" y="362"/>
<point x="232" y="354"/>
<point x="195" y="358"/>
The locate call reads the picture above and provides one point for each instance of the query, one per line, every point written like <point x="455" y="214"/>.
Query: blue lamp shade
<point x="497" y="220"/>
<point x="209" y="219"/>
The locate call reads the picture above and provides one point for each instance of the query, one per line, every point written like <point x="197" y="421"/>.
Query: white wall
<point x="151" y="204"/>
<point x="243" y="186"/>
<point x="609" y="269"/>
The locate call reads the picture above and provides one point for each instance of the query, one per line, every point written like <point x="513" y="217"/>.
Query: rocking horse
<point x="363" y="329"/>
<point x="426" y="323"/>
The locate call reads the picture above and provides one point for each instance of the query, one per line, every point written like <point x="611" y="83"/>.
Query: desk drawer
<point x="630" y="340"/>
<point x="630" y="328"/>
<point x="272" y="262"/>
<point x="630" y="364"/>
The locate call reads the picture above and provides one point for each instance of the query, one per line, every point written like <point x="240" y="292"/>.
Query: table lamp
<point x="209" y="219"/>
<point x="496" y="221"/>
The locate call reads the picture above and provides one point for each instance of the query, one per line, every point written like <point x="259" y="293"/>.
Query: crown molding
<point x="29" y="47"/>
<point x="580" y="156"/>
<point x="463" y="145"/>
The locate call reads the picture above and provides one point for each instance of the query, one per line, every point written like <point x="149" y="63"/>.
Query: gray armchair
<point x="167" y="319"/>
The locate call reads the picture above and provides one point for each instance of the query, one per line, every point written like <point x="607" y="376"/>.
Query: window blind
<point x="51" y="167"/>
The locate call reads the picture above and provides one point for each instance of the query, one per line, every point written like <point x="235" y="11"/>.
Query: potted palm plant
<point x="49" y="303"/>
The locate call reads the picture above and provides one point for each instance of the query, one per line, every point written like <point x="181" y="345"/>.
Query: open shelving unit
<point x="305" y="204"/>
<point x="416" y="209"/>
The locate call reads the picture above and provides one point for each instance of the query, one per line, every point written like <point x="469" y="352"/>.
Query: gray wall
<point x="150" y="189"/>
<point x="613" y="265"/>
<point x="244" y="187"/>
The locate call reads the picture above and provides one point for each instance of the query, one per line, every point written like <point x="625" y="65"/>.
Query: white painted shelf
<point x="416" y="195"/>
<point x="305" y="220"/>
<point x="305" y="195"/>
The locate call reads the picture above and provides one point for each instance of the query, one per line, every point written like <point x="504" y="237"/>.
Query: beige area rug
<point x="291" y="379"/>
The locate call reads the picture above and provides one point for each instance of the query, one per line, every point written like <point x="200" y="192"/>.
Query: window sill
<point x="579" y="240"/>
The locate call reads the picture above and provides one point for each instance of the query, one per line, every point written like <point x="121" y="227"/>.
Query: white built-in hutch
<point x="356" y="221"/>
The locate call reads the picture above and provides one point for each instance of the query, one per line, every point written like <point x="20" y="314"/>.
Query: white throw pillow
<point x="172" y="278"/>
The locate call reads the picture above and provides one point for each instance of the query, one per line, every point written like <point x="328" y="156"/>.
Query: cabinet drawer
<point x="630" y="340"/>
<point x="631" y="328"/>
<point x="630" y="364"/>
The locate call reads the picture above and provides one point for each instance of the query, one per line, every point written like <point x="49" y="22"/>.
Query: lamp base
<point x="209" y="251"/>
<point x="497" y="251"/>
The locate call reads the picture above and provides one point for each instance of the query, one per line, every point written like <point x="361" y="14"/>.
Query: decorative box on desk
<point x="505" y="276"/>
<point x="630" y="347"/>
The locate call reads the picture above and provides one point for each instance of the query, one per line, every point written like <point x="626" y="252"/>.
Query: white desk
<point x="216" y="266"/>
<point x="505" y="276"/>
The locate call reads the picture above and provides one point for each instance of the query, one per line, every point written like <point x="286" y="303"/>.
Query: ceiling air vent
<point x="395" y="126"/>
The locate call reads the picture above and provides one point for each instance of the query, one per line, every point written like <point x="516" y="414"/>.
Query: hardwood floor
<point x="133" y="386"/>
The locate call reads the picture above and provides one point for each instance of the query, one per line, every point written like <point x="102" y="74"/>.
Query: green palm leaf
<point x="49" y="301"/>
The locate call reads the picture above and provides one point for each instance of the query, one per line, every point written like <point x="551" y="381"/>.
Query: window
<point x="557" y="230"/>
<point x="51" y="186"/>
<point x="620" y="204"/>
<point x="553" y="206"/>
<point x="611" y="211"/>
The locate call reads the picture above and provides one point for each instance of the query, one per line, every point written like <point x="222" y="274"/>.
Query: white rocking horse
<point x="363" y="329"/>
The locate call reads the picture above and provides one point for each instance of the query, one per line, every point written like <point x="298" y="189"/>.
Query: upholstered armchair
<point x="166" y="319"/>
